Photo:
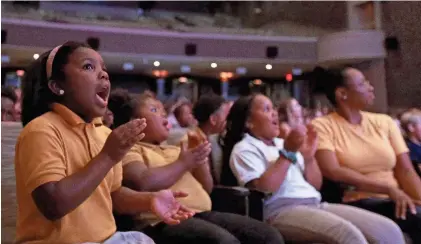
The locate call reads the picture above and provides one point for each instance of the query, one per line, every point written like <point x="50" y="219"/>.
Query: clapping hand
<point x="123" y="138"/>
<point x="167" y="208"/>
<point x="309" y="146"/>
<point x="196" y="153"/>
<point x="295" y="138"/>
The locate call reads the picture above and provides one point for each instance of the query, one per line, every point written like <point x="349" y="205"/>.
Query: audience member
<point x="68" y="175"/>
<point x="180" y="122"/>
<point x="293" y="112"/>
<point x="8" y="101"/>
<point x="170" y="106"/>
<point x="18" y="104"/>
<point x="317" y="113"/>
<point x="211" y="113"/>
<point x="411" y="123"/>
<point x="152" y="166"/>
<point x="184" y="116"/>
<point x="366" y="151"/>
<point x="326" y="110"/>
<point x="396" y="115"/>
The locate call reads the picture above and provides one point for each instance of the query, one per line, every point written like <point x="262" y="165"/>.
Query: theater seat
<point x="9" y="133"/>
<point x="238" y="200"/>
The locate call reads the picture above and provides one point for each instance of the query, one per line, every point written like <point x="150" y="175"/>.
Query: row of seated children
<point x="350" y="135"/>
<point x="290" y="115"/>
<point x="72" y="172"/>
<point x="70" y="177"/>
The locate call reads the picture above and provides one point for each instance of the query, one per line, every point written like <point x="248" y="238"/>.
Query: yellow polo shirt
<point x="369" y="148"/>
<point x="51" y="147"/>
<point x="153" y="156"/>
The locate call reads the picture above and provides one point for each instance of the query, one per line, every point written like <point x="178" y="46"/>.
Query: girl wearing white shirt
<point x="288" y="171"/>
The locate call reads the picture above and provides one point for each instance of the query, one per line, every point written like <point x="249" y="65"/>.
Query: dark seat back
<point x="331" y="191"/>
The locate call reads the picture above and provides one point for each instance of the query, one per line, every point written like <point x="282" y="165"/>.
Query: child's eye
<point x="88" y="67"/>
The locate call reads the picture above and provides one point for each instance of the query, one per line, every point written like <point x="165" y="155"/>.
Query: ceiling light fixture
<point x="20" y="72"/>
<point x="128" y="66"/>
<point x="241" y="70"/>
<point x="185" y="68"/>
<point x="297" y="71"/>
<point x="5" y="59"/>
<point x="182" y="79"/>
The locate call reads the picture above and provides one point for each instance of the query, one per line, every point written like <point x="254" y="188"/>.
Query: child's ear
<point x="212" y="120"/>
<point x="55" y="87"/>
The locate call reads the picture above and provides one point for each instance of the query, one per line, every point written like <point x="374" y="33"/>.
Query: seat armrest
<point x="236" y="190"/>
<point x="258" y="193"/>
<point x="238" y="200"/>
<point x="256" y="203"/>
<point x="333" y="192"/>
<point x="124" y="222"/>
<point x="230" y="199"/>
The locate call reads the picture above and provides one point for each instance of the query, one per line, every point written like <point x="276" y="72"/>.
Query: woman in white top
<point x="288" y="171"/>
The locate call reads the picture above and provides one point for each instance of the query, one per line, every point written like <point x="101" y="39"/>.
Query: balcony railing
<point x="161" y="20"/>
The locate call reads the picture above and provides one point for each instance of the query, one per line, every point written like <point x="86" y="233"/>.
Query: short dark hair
<point x="9" y="92"/>
<point x="37" y="96"/>
<point x="327" y="81"/>
<point x="124" y="104"/>
<point x="206" y="106"/>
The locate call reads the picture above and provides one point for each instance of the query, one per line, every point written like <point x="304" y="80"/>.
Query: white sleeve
<point x="300" y="162"/>
<point x="247" y="165"/>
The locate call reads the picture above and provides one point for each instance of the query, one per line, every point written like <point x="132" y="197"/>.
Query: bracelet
<point x="291" y="156"/>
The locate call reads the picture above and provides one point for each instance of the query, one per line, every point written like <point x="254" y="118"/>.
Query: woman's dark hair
<point x="327" y="81"/>
<point x="36" y="95"/>
<point x="235" y="129"/>
<point x="206" y="106"/>
<point x="124" y="105"/>
<point x="9" y="92"/>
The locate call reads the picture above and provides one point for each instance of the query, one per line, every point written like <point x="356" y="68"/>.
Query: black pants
<point x="386" y="207"/>
<point x="215" y="228"/>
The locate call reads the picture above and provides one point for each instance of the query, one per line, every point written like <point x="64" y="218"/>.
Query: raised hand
<point x="295" y="138"/>
<point x="123" y="138"/>
<point x="309" y="147"/>
<point x="194" y="140"/>
<point x="198" y="151"/>
<point x="166" y="207"/>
